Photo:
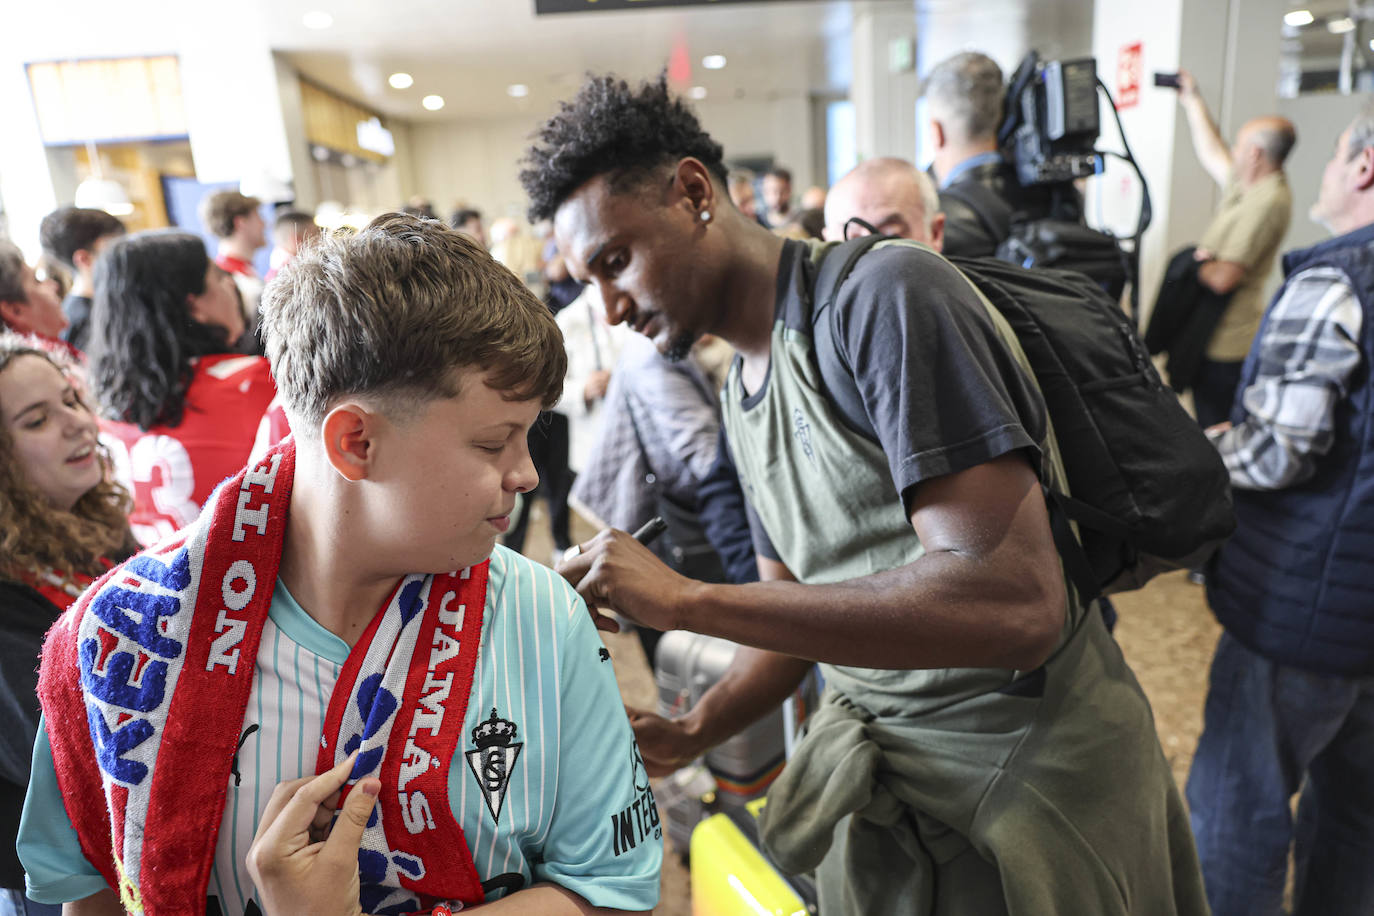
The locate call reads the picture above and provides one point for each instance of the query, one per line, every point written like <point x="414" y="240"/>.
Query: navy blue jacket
<point x="1296" y="581"/>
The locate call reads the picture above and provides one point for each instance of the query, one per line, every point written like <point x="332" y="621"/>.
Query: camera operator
<point x="979" y="191"/>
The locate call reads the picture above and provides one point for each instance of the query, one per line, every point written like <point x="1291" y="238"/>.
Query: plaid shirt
<point x="1308" y="352"/>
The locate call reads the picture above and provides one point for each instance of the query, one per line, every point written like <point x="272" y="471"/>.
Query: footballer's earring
<point x="705" y="216"/>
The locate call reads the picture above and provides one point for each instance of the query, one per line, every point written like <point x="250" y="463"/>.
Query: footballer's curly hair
<point x="612" y="129"/>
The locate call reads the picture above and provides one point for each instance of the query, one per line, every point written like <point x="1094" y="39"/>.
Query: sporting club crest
<point x="493" y="759"/>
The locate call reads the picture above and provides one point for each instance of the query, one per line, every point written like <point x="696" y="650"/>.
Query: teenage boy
<point x="75" y="237"/>
<point x="357" y="567"/>
<point x="982" y="747"/>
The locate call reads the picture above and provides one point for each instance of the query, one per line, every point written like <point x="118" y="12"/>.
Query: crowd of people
<point x="265" y="534"/>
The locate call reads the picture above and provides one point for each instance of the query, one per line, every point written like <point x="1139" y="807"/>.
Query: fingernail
<point x="371" y="788"/>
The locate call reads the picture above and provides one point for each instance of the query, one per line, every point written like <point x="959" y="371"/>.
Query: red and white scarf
<point x="145" y="681"/>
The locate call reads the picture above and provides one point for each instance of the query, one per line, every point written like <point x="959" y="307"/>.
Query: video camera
<point x="1051" y="125"/>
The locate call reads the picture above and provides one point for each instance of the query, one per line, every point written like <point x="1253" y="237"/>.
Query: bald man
<point x="1239" y="247"/>
<point x="893" y="196"/>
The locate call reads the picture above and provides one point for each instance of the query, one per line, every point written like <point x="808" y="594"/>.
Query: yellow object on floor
<point x="731" y="878"/>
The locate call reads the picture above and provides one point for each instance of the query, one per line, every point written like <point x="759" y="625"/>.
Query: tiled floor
<point x="1165" y="631"/>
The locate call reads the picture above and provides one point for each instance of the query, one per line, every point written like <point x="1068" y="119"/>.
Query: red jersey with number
<point x="230" y="413"/>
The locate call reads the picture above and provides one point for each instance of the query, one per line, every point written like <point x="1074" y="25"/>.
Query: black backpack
<point x="1063" y="244"/>
<point x="1150" y="492"/>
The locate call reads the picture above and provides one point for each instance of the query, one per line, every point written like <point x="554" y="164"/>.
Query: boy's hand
<point x="299" y="863"/>
<point x="615" y="571"/>
<point x="665" y="744"/>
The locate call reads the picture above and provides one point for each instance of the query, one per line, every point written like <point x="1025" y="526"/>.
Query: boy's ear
<point x="348" y="430"/>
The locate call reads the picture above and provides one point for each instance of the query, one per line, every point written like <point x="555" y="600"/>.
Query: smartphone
<point x="1167" y="80"/>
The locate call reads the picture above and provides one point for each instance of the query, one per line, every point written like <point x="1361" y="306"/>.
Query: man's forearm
<point x="923" y="615"/>
<point x="756" y="683"/>
<point x="1208" y="144"/>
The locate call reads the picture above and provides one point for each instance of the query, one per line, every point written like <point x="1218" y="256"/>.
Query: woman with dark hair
<point x="182" y="411"/>
<point x="62" y="522"/>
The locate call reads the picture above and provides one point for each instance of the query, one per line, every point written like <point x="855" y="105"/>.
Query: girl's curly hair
<point x="612" y="129"/>
<point x="37" y="537"/>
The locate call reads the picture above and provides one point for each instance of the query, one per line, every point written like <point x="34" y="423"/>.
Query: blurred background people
<point x="26" y="305"/>
<point x="741" y="189"/>
<point x="777" y="197"/>
<point x="181" y="410"/>
<point x="75" y="237"/>
<point x="469" y="221"/>
<point x="236" y="221"/>
<point x="290" y="230"/>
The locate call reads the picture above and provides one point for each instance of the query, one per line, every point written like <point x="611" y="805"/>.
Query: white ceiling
<point x="469" y="51"/>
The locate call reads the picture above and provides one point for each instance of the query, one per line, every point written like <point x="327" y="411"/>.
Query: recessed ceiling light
<point x="401" y="80"/>
<point x="517" y="90"/>
<point x="1298" y="18"/>
<point x="433" y="102"/>
<point x="317" y="19"/>
<point x="1341" y="26"/>
<point x="713" y="61"/>
<point x="697" y="92"/>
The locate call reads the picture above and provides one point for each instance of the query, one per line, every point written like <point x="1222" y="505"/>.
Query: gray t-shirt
<point x="939" y="387"/>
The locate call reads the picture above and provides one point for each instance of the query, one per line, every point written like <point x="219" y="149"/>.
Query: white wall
<point x="477" y="163"/>
<point x="1231" y="47"/>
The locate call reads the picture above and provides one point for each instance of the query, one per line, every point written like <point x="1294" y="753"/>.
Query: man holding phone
<point x="1238" y="248"/>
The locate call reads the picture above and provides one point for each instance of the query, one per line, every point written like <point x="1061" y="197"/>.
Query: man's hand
<point x="595" y="388"/>
<point x="1187" y="85"/>
<point x="615" y="571"/>
<point x="665" y="744"/>
<point x="302" y="865"/>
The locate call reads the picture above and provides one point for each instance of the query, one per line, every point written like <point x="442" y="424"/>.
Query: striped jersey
<point x="575" y="809"/>
<point x="171" y="470"/>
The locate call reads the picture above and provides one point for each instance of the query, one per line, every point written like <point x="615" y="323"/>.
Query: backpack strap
<point x="836" y="374"/>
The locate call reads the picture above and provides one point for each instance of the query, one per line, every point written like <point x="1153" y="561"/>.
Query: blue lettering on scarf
<point x="138" y="615"/>
<point x="114" y="685"/>
<point x="411" y="601"/>
<point x="111" y="746"/>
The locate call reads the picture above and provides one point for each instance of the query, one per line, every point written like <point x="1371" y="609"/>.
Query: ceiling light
<point x="517" y="90"/>
<point x="697" y="92"/>
<point x="401" y="80"/>
<point x="432" y="102"/>
<point x="103" y="194"/>
<point x="317" y="19"/>
<point x="1341" y="26"/>
<point x="713" y="61"/>
<point x="1298" y="18"/>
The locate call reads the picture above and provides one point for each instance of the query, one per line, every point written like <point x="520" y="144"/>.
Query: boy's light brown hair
<point x="220" y="209"/>
<point x="391" y="311"/>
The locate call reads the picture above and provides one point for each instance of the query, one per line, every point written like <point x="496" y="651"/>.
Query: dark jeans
<point x="549" y="451"/>
<point x="1270" y="731"/>
<point x="1214" y="391"/>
